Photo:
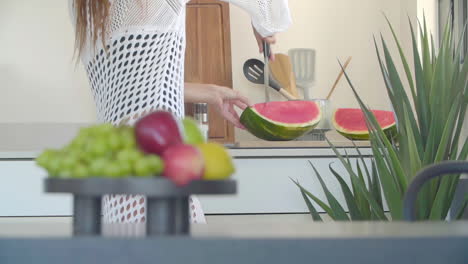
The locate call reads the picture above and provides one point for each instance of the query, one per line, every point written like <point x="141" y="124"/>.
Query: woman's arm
<point x="268" y="16"/>
<point x="221" y="98"/>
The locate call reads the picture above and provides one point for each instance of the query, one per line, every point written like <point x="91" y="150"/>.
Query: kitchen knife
<point x="266" y="80"/>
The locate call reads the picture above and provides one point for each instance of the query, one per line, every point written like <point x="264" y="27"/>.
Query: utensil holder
<point x="318" y="133"/>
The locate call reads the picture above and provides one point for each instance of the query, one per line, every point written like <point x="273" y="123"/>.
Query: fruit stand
<point x="167" y="204"/>
<point x="161" y="158"/>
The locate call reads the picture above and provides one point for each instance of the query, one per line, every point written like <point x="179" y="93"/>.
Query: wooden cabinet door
<point x="208" y="56"/>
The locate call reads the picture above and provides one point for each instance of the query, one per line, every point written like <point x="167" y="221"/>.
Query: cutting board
<point x="281" y="69"/>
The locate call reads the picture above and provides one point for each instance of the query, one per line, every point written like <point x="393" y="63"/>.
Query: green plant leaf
<point x="439" y="87"/>
<point x="403" y="60"/>
<point x="362" y="202"/>
<point x="372" y="183"/>
<point x="421" y="99"/>
<point x="372" y="124"/>
<point x="425" y="196"/>
<point x="462" y="209"/>
<point x="413" y="149"/>
<point x="430" y="148"/>
<point x="400" y="94"/>
<point x="443" y="150"/>
<point x="426" y="57"/>
<point x="463" y="155"/>
<point x="351" y="202"/>
<point x="440" y="189"/>
<point x="338" y="211"/>
<point x="463" y="107"/>
<point x="464" y="151"/>
<point x="375" y="186"/>
<point x="313" y="212"/>
<point x="391" y="156"/>
<point x="384" y="71"/>
<point x="459" y="48"/>
<point x="373" y="203"/>
<point x="392" y="195"/>
<point x="433" y="49"/>
<point x="378" y="138"/>
<point x="429" y="129"/>
<point x="387" y="179"/>
<point x="360" y="175"/>
<point x="440" y="208"/>
<point x="361" y="157"/>
<point x="319" y="202"/>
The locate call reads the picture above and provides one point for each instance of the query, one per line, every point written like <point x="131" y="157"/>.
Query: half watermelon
<point x="351" y="123"/>
<point x="280" y="121"/>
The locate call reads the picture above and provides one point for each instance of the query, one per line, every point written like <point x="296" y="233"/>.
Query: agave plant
<point x="429" y="124"/>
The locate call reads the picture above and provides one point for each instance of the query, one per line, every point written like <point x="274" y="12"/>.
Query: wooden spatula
<point x="282" y="71"/>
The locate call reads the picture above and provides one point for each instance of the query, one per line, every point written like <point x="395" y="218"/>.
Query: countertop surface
<point x="27" y="140"/>
<point x="240" y="239"/>
<point x="253" y="226"/>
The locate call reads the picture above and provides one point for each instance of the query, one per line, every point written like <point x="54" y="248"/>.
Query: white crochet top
<point x="144" y="70"/>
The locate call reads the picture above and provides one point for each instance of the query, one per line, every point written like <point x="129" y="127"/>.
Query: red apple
<point x="157" y="131"/>
<point x="183" y="163"/>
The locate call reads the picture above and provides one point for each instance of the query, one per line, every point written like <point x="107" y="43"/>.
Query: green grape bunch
<point x="101" y="150"/>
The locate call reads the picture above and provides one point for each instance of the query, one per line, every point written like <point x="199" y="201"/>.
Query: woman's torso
<point x="143" y="68"/>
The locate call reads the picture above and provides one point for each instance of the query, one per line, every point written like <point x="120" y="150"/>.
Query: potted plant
<point x="429" y="127"/>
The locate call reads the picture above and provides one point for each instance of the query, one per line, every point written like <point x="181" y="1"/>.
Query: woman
<point x="133" y="52"/>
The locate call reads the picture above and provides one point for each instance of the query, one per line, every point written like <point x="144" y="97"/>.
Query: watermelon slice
<point x="277" y="121"/>
<point x="351" y="123"/>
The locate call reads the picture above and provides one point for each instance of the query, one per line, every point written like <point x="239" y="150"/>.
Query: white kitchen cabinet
<point x="21" y="191"/>
<point x="264" y="186"/>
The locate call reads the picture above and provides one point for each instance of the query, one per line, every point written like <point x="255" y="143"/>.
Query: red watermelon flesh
<point x="290" y="112"/>
<point x="284" y="120"/>
<point x="351" y="122"/>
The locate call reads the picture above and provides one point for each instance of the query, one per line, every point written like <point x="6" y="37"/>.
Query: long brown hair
<point x="92" y="15"/>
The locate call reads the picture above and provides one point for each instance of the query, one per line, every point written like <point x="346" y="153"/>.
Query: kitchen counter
<point x="259" y="164"/>
<point x="26" y="141"/>
<point x="263" y="241"/>
<point x="246" y="226"/>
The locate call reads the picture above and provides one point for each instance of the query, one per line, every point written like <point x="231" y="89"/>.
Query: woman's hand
<point x="270" y="40"/>
<point x="221" y="98"/>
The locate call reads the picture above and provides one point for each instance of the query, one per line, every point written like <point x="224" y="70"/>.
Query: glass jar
<point x="200" y="114"/>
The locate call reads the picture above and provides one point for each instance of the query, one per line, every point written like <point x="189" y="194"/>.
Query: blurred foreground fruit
<point x="192" y="133"/>
<point x="183" y="163"/>
<point x="101" y="151"/>
<point x="218" y="162"/>
<point x="157" y="131"/>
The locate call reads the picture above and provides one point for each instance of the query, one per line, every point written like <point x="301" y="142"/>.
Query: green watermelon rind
<point x="390" y="131"/>
<point x="270" y="130"/>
